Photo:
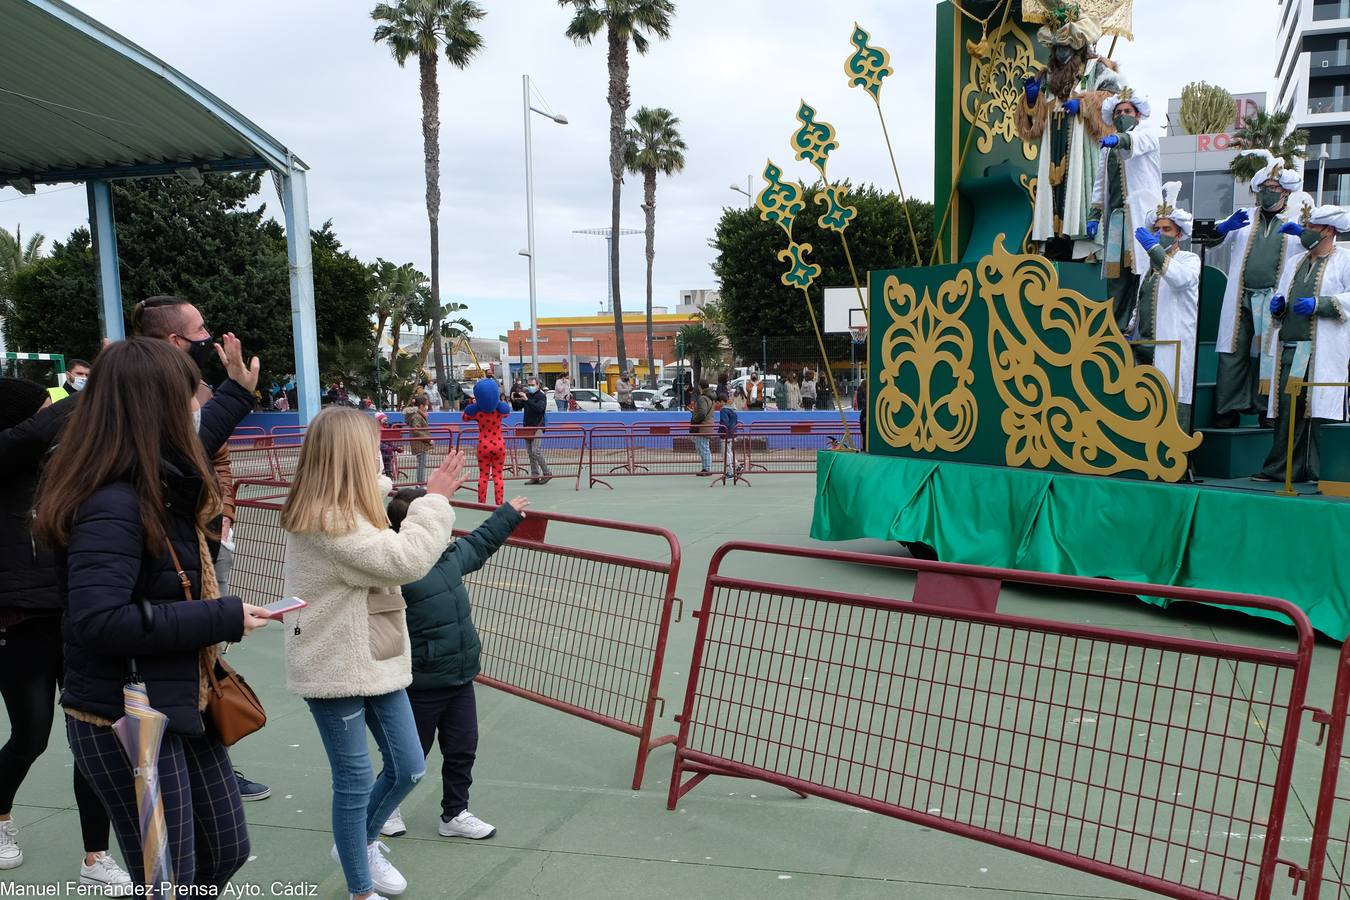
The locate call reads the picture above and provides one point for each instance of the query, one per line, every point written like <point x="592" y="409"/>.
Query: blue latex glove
<point x="1236" y="222"/>
<point x="1032" y="86"/>
<point x="1291" y="228"/>
<point x="1092" y="230"/>
<point x="1147" y="239"/>
<point x="1305" y="306"/>
<point x="1071" y="107"/>
<point x="1110" y="140"/>
<point x="1277" y="305"/>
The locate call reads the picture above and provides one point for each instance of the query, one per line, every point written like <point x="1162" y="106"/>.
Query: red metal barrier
<point x="1157" y="761"/>
<point x="791" y="447"/>
<point x="580" y="630"/>
<point x="659" y="448"/>
<point x="252" y="457"/>
<point x="1329" y="856"/>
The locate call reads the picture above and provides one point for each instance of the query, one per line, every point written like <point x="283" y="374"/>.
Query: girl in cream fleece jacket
<point x="347" y="650"/>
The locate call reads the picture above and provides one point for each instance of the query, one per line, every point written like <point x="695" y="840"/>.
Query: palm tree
<point x="450" y="328"/>
<point x="1266" y="131"/>
<point x="654" y="145"/>
<point x="624" y="22"/>
<point x="15" y="253"/>
<point x="701" y="346"/>
<point x="422" y="28"/>
<point x="398" y="292"/>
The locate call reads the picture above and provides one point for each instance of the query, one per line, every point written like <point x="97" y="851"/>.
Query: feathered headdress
<point x="1290" y="179"/>
<point x="1170" y="208"/>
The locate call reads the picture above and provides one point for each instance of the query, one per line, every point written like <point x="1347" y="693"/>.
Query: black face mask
<point x="202" y="352"/>
<point x="1062" y="55"/>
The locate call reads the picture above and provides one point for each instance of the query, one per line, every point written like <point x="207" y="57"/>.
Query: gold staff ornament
<point x="866" y="67"/>
<point x="780" y="201"/>
<point x="814" y="141"/>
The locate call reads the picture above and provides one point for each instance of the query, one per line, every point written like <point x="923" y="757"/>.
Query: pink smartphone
<point x="278" y="608"/>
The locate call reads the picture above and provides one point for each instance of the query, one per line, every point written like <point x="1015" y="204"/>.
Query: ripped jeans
<point x="361" y="801"/>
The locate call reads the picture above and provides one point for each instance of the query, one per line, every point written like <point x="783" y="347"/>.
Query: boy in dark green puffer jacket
<point x="445" y="649"/>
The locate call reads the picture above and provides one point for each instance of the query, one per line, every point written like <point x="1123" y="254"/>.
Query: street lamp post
<point x="749" y="195"/>
<point x="1321" y="171"/>
<point x="528" y="252"/>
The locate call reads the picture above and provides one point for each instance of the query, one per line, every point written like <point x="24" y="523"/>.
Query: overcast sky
<point x="733" y="71"/>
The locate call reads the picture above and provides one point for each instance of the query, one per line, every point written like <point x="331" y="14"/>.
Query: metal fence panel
<point x="1156" y="761"/>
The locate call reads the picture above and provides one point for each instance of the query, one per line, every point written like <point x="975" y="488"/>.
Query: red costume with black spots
<point x="488" y="411"/>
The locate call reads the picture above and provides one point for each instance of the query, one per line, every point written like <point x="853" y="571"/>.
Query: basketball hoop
<point x="859" y="333"/>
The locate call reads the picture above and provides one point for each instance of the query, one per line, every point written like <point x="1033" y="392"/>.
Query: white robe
<point x="1330" y="337"/>
<point x="1238" y="242"/>
<point x="1143" y="186"/>
<point x="1082" y="158"/>
<point x="1174" y="320"/>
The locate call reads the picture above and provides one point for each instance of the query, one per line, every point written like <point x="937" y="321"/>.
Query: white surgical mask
<point x="79" y="382"/>
<point x="196" y="420"/>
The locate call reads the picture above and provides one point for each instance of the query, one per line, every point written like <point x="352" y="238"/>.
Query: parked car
<point x="646" y="398"/>
<point x="590" y="400"/>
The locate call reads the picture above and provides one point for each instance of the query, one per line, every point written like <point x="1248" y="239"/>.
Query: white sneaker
<point x="11" y="857"/>
<point x="394" y="826"/>
<point x="371" y="896"/>
<point x="387" y="880"/>
<point x="105" y="873"/>
<point x="466" y="825"/>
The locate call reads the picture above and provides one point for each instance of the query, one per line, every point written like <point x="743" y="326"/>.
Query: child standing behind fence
<point x="727" y="422"/>
<point x="445" y="652"/>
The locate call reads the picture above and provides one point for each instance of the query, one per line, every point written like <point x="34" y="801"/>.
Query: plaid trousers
<point x="208" y="836"/>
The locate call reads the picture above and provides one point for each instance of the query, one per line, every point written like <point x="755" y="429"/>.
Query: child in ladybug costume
<point x="488" y="411"/>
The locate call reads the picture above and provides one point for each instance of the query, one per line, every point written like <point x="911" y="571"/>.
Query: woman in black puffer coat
<point x="30" y="649"/>
<point x="120" y="502"/>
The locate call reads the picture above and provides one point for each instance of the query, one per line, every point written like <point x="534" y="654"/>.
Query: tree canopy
<point x="201" y="242"/>
<point x="755" y="303"/>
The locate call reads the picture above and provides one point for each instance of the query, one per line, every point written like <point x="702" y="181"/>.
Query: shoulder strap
<point x="183" y="580"/>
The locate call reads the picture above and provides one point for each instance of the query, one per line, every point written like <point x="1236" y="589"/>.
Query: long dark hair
<point x="133" y="411"/>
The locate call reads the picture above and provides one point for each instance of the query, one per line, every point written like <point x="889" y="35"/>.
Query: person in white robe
<point x="1169" y="299"/>
<point x="1262" y="242"/>
<point x="1129" y="180"/>
<point x="1061" y="112"/>
<point x="1309" y="340"/>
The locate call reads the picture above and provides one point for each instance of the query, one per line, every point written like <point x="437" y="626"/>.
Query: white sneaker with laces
<point x="388" y="881"/>
<point x="395" y="825"/>
<point x="11" y="857"/>
<point x="105" y="873"/>
<point x="466" y="825"/>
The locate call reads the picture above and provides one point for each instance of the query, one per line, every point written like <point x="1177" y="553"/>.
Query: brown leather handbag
<point x="233" y="707"/>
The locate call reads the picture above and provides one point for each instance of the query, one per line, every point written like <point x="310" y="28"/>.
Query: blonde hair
<point x="333" y="482"/>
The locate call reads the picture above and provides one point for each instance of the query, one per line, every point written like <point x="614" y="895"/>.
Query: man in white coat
<point x="1129" y="180"/>
<point x="1309" y="339"/>
<point x="1169" y="298"/>
<point x="1262" y="242"/>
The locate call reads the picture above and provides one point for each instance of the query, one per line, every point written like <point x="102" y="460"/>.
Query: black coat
<point x="109" y="569"/>
<point x="536" y="405"/>
<point x="28" y="576"/>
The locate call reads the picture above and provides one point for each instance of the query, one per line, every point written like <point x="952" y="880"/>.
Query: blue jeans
<point x="704" y="453"/>
<point x="561" y="404"/>
<point x="361" y="801"/>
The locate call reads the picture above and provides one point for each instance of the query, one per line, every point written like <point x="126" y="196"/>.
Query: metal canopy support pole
<point x="295" y="201"/>
<point x="111" y="318"/>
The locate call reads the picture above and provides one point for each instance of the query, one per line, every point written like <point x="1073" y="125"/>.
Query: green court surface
<point x="557" y="788"/>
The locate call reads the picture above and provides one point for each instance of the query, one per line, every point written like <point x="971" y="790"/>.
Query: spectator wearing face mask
<point x="73" y="382"/>
<point x="536" y="407"/>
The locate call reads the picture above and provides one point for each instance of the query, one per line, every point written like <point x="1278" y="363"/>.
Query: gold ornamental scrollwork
<point x="929" y="348"/>
<point x="1037" y="327"/>
<point x="999" y="74"/>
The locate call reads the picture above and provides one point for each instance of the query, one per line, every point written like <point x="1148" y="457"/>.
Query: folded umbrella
<point x="141" y="732"/>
